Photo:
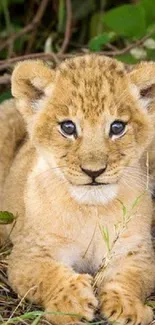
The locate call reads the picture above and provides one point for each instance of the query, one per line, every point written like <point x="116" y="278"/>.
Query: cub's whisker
<point x="47" y="170"/>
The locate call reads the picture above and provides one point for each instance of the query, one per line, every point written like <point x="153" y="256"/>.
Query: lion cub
<point x="81" y="172"/>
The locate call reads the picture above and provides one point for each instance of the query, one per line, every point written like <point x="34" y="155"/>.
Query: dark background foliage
<point x="55" y="29"/>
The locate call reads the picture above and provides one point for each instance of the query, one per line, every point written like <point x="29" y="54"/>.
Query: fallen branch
<point x="57" y="58"/>
<point x="5" y="64"/>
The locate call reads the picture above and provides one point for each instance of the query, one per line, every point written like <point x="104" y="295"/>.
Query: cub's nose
<point x="93" y="173"/>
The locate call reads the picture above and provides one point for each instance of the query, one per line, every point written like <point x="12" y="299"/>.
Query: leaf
<point x="36" y="320"/>
<point x="127" y="20"/>
<point x="149" y="9"/>
<point x="105" y="235"/>
<point x="124" y="209"/>
<point x="37" y="313"/>
<point x="5" y="95"/>
<point x="127" y="58"/>
<point x="97" y="42"/>
<point x="151" y="54"/>
<point x="6" y="217"/>
<point x="136" y="202"/>
<point x="117" y="227"/>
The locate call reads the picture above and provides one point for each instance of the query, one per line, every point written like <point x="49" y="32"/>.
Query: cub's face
<point x="92" y="127"/>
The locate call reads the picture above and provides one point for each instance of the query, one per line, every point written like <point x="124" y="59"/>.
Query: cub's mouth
<point x="94" y="193"/>
<point x="96" y="184"/>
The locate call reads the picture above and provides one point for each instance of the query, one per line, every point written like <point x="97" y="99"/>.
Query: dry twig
<point x="34" y="32"/>
<point x="57" y="58"/>
<point x="68" y="27"/>
<point x="130" y="46"/>
<point x="5" y="64"/>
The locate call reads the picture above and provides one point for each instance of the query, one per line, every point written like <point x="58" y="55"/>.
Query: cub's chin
<point x="94" y="195"/>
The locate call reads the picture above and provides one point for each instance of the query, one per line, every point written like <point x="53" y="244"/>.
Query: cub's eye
<point x="68" y="128"/>
<point x="117" y="128"/>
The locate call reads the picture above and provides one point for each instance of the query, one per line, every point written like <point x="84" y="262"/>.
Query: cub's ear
<point x="143" y="84"/>
<point x="31" y="81"/>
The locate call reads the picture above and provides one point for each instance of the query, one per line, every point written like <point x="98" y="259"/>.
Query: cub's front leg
<point x="128" y="279"/>
<point x="33" y="274"/>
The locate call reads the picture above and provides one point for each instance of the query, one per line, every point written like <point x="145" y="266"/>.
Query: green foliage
<point x="127" y="20"/>
<point x="106" y="237"/>
<point x="36" y="315"/>
<point x="105" y="25"/>
<point x="129" y="23"/>
<point x="124" y="210"/>
<point x="5" y="95"/>
<point x="149" y="9"/>
<point x="98" y="42"/>
<point x="127" y="58"/>
<point x="6" y="217"/>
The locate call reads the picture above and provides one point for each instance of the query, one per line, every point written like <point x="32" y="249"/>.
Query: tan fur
<point x="12" y="132"/>
<point x="58" y="230"/>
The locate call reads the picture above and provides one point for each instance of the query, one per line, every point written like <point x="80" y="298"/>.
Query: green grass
<point x="14" y="310"/>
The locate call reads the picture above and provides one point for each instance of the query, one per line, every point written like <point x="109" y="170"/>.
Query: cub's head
<point x="89" y="118"/>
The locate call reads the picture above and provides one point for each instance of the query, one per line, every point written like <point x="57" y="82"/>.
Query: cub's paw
<point x="75" y="296"/>
<point x="119" y="305"/>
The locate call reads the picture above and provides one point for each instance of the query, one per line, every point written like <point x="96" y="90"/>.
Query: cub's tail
<point x="12" y="131"/>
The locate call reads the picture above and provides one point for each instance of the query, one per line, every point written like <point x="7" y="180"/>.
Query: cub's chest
<point x="73" y="235"/>
<point x="86" y="251"/>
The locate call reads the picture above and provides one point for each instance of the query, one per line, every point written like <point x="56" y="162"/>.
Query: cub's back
<point x="15" y="159"/>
